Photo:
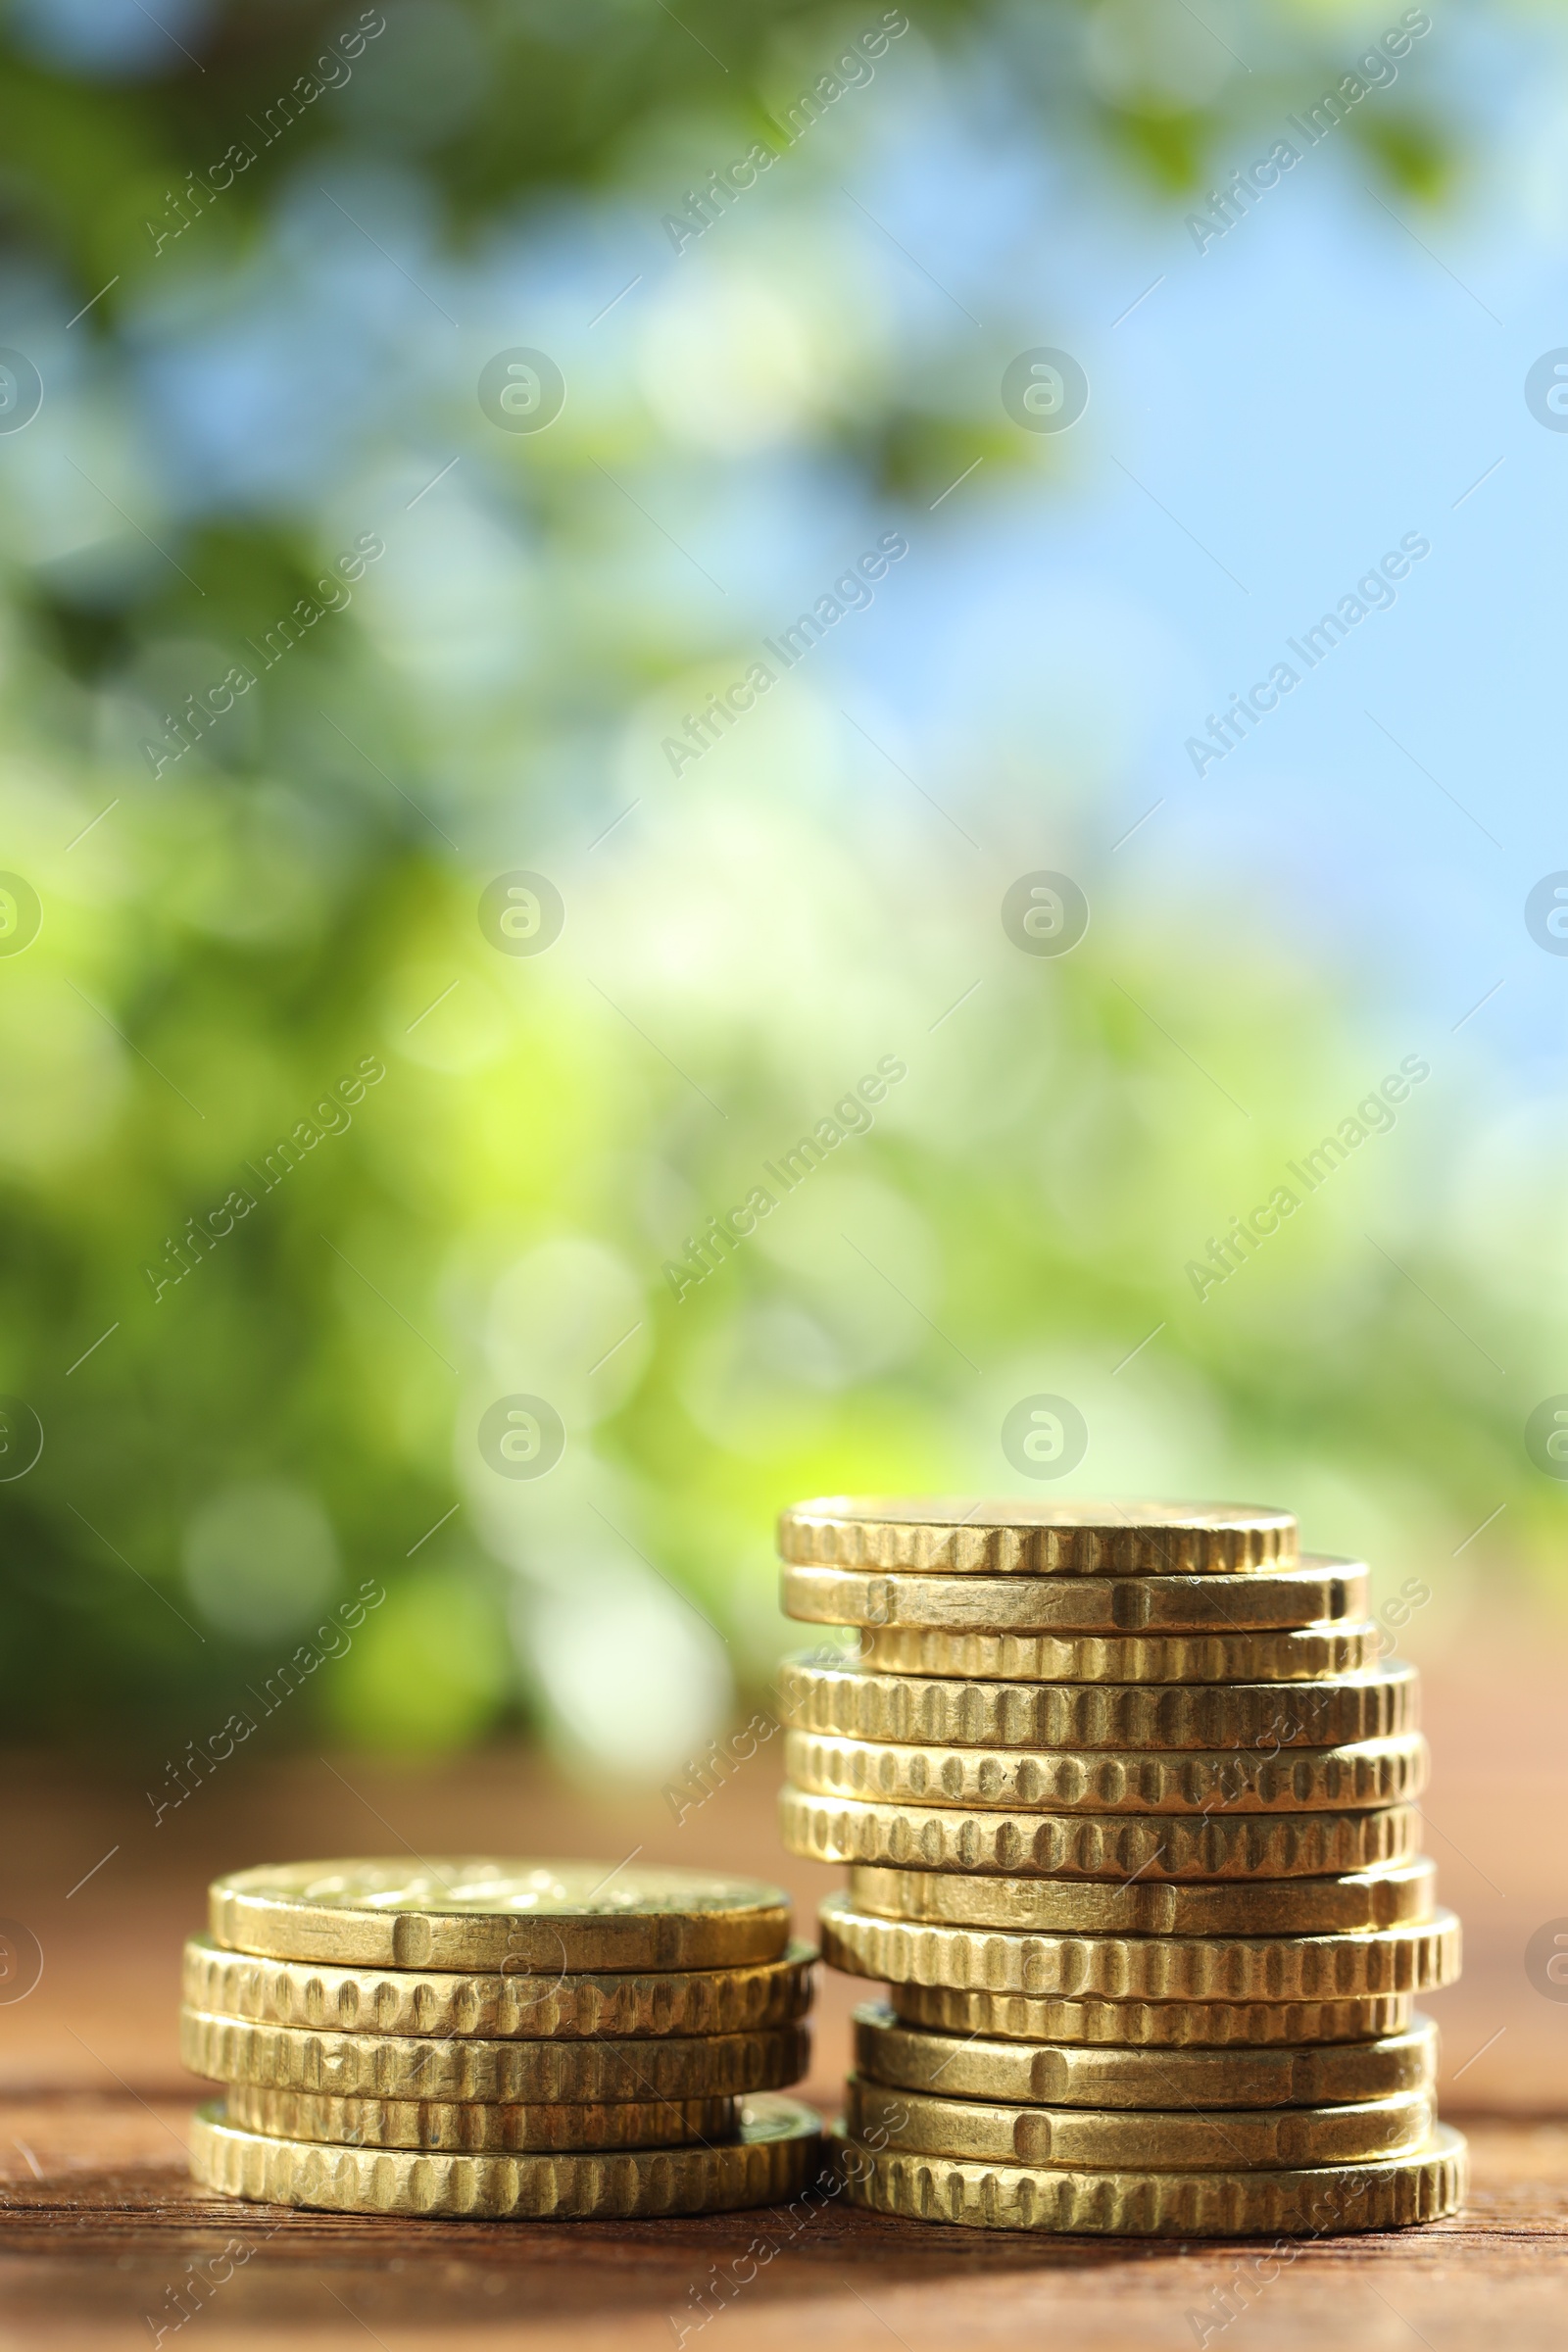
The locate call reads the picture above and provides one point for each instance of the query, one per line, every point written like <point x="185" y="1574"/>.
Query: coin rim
<point x="889" y="1531"/>
<point x="1135" y="1968"/>
<point x="218" y="2144"/>
<point x="879" y="2034"/>
<point x="1402" y="1758"/>
<point x="1329" y="1594"/>
<point x="1092" y="2126"/>
<point x="1233" y="1896"/>
<point x="1079" y="1659"/>
<point x="1180" y="2025"/>
<point x="586" y="2059"/>
<point x="542" y="2115"/>
<point x="266" y="1922"/>
<point x="674" y="1987"/>
<point x="1443" y="2166"/>
<point x="972" y="1836"/>
<point x="861" y="1702"/>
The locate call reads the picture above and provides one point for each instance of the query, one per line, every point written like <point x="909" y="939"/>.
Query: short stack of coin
<point x="500" y="2040"/>
<point x="1128" y="1801"/>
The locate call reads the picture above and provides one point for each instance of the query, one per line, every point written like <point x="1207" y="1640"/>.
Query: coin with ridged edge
<point x="1366" y="1898"/>
<point x="822" y="1693"/>
<point x="1418" y="1957"/>
<point x="987" y="2132"/>
<point x="1153" y="2025"/>
<point x="777" y="2150"/>
<point x="1300" y="1780"/>
<point x="1080" y="1604"/>
<point x="1282" y="1654"/>
<point x="1025" y="1534"/>
<point x="530" y="2007"/>
<point x="1096" y="1845"/>
<point x="963" y="2066"/>
<point x="477" y="1912"/>
<point x="473" y="2125"/>
<point x="557" y="2074"/>
<point x="1395" y="2193"/>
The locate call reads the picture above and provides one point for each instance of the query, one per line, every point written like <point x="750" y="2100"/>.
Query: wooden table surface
<point x="98" y="2220"/>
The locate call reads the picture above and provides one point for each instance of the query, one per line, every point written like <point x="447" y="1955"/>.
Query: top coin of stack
<point x="1128" y="1801"/>
<point x="499" y="2039"/>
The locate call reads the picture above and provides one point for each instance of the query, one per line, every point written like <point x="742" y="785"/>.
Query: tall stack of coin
<point x="499" y="2039"/>
<point x="1128" y="1801"/>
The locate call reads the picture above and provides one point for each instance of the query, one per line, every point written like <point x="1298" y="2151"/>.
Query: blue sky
<point x="1314" y="385"/>
<point x="1342" y="368"/>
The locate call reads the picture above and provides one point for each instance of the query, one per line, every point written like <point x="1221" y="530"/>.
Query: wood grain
<point x="98" y="2220"/>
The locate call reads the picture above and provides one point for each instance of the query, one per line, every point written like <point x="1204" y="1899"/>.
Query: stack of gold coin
<point x="499" y="2039"/>
<point x="1128" y="1800"/>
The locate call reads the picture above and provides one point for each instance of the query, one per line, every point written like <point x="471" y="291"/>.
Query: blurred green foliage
<point x="224" y="940"/>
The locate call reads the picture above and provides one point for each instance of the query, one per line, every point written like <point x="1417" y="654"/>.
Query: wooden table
<point x="98" y="2220"/>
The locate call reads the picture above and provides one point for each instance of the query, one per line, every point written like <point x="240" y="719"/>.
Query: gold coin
<point x="822" y="1693"/>
<point x="1080" y="1604"/>
<point x="1096" y="1845"/>
<point x="1025" y="1535"/>
<point x="1284" y="1654"/>
<point x="1100" y="2138"/>
<point x="1299" y="1779"/>
<point x="481" y="1913"/>
<point x="1360" y="1899"/>
<point x="1070" y="2074"/>
<point x="1153" y="2025"/>
<point x="534" y="2008"/>
<point x="1416" y="1957"/>
<point x="550" y="2073"/>
<point x="449" y="2124"/>
<point x="1390" y="2193"/>
<point x="777" y="2151"/>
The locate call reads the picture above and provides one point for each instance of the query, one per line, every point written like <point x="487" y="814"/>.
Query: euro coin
<point x="1361" y="1899"/>
<point x="985" y="2132"/>
<point x="777" y="2150"/>
<point x="1301" y="1780"/>
<point x="1153" y="2025"/>
<point x="1282" y="1654"/>
<point x="530" y="2007"/>
<point x="483" y="1914"/>
<point x="551" y="2073"/>
<point x="1390" y="2192"/>
<point x="449" y="2124"/>
<point x="966" y="2066"/>
<point x="1418" y="1957"/>
<point x="961" y="1536"/>
<point x="1096" y="1845"/>
<point x="824" y="1693"/>
<point x="1079" y="1604"/>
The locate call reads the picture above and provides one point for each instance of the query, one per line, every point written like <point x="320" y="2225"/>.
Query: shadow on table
<point x="142" y="2243"/>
